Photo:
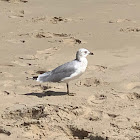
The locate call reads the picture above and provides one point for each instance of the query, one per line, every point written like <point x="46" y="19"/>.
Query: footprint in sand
<point x="93" y="115"/>
<point x="134" y="85"/>
<point x="130" y="29"/>
<point x="39" y="19"/>
<point x="96" y="115"/>
<point x="96" y="99"/>
<point x="4" y="131"/>
<point x="119" y="20"/>
<point x="127" y="95"/>
<point x="66" y="38"/>
<point x="42" y="34"/>
<point x="16" y="14"/>
<point x="136" y="126"/>
<point x="37" y="34"/>
<point x="53" y="20"/>
<point x="133" y="96"/>
<point x="73" y="40"/>
<point x="56" y="20"/>
<point x="88" y="82"/>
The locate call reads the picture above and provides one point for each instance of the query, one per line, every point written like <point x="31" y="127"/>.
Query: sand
<point x="37" y="36"/>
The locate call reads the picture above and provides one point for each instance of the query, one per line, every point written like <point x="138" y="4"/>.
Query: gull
<point x="68" y="71"/>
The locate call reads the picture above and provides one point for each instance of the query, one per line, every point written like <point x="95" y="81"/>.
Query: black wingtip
<point x="33" y="78"/>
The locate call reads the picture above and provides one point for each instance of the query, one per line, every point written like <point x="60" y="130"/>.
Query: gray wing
<point x="63" y="71"/>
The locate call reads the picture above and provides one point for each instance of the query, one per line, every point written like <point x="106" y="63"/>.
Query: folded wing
<point x="61" y="72"/>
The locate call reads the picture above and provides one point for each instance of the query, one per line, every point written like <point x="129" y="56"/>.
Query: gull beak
<point x="91" y="53"/>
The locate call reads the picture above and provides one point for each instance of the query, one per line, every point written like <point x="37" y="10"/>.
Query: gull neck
<point x="80" y="58"/>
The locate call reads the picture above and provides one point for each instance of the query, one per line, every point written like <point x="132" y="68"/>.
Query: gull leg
<point x="70" y="94"/>
<point x="68" y="89"/>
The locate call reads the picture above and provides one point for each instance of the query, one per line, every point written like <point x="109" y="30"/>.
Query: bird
<point x="68" y="71"/>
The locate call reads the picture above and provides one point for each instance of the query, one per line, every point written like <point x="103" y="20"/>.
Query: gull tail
<point x="43" y="77"/>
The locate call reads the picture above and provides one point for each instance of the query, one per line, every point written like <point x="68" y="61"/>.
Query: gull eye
<point x="85" y="52"/>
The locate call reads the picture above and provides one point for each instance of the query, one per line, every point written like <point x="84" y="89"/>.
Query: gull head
<point x="82" y="53"/>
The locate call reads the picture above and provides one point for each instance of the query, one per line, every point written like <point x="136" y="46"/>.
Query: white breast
<point x="83" y="65"/>
<point x="80" y="70"/>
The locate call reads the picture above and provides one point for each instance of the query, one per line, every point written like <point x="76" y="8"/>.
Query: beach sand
<point x="38" y="36"/>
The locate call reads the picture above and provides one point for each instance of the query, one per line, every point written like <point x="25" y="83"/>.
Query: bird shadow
<point x="47" y="93"/>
